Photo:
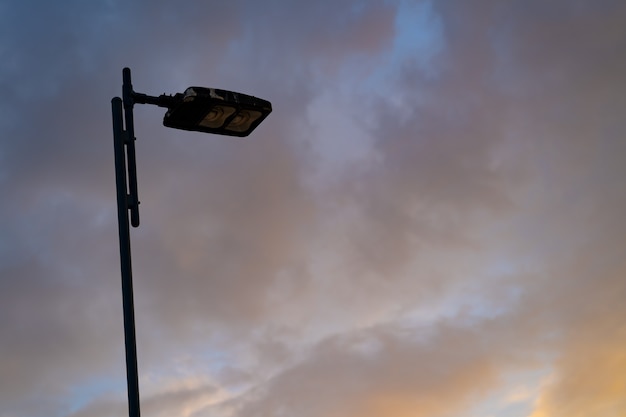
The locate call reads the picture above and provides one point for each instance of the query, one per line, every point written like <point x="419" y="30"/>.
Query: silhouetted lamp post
<point x="198" y="109"/>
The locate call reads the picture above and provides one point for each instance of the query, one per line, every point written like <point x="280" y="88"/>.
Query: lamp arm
<point x="167" y="101"/>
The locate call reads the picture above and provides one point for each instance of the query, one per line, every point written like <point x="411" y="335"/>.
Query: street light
<point x="198" y="109"/>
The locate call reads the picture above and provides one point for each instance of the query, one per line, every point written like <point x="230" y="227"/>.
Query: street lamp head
<point x="216" y="111"/>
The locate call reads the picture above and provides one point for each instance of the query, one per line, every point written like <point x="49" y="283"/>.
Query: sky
<point x="430" y="223"/>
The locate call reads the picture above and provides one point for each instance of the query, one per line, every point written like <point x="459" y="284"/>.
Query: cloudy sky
<point x="429" y="224"/>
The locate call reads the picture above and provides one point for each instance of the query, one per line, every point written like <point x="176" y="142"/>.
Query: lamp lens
<point x="216" y="116"/>
<point x="242" y="120"/>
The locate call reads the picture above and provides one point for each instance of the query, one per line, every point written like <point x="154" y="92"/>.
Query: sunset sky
<point x="431" y="222"/>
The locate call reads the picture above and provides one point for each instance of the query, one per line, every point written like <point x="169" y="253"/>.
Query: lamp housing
<point x="211" y="110"/>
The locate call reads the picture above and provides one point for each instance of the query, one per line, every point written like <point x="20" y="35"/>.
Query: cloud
<point x="184" y="397"/>
<point x="388" y="369"/>
<point x="433" y="207"/>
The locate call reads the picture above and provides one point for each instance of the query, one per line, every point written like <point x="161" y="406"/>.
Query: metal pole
<point x="121" y="139"/>
<point x="129" y="102"/>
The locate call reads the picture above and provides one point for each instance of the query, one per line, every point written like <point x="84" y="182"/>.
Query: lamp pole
<point x="198" y="109"/>
<point x="124" y="144"/>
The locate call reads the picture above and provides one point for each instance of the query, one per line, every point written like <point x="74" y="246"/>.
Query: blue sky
<point x="429" y="223"/>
